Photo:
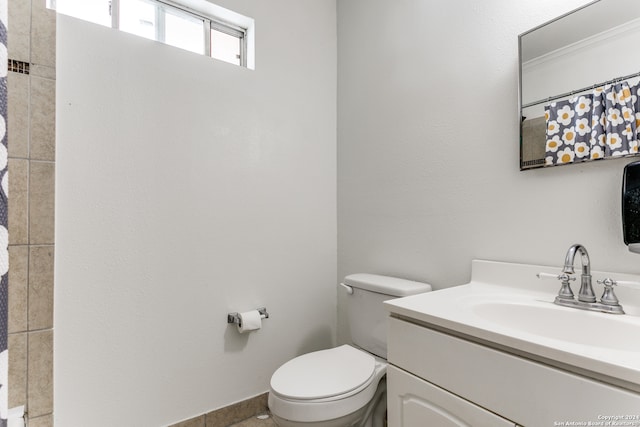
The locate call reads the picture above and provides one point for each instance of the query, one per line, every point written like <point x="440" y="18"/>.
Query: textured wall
<point x="428" y="173"/>
<point x="189" y="188"/>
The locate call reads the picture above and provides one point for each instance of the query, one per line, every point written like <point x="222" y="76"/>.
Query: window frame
<point x="232" y="30"/>
<point x="210" y="23"/>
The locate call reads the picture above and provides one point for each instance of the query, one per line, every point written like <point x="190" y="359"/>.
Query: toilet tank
<point x="367" y="315"/>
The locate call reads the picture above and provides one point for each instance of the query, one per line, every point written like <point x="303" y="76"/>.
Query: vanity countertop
<point x="505" y="306"/>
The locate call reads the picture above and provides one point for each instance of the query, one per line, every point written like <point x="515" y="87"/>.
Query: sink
<point x="506" y="306"/>
<point x="563" y="324"/>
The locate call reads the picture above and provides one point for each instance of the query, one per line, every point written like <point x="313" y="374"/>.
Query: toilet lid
<point x="323" y="374"/>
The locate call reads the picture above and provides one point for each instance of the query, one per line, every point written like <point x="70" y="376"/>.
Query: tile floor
<point x="256" y="422"/>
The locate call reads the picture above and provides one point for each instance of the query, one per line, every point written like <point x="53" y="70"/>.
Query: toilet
<point x="343" y="386"/>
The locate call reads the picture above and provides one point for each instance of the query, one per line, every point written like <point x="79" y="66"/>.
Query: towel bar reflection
<point x="235" y="318"/>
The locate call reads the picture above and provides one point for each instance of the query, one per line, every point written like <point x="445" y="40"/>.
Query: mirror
<point x="578" y="60"/>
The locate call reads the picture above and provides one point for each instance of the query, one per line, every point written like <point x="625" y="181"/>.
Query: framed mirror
<point x="580" y="86"/>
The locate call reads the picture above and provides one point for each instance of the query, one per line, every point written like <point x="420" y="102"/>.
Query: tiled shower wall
<point x="32" y="39"/>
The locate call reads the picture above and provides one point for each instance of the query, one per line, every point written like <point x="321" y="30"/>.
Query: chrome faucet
<point x="586" y="293"/>
<point x="586" y="298"/>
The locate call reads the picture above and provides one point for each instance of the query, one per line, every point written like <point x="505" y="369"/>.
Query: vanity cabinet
<point x="437" y="379"/>
<point x="414" y="402"/>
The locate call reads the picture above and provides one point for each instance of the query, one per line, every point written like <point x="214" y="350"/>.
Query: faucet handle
<point x="623" y="283"/>
<point x="608" y="296"/>
<point x="609" y="282"/>
<point x="565" y="291"/>
<point x="564" y="276"/>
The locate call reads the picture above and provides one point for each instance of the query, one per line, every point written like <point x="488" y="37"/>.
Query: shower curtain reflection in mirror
<point x="593" y="126"/>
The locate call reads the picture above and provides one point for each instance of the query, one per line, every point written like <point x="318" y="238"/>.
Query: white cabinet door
<point x="413" y="402"/>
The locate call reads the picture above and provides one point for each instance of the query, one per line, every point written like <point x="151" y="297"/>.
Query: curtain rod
<point x="564" y="95"/>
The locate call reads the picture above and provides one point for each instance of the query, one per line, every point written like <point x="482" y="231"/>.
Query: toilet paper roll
<point x="249" y="321"/>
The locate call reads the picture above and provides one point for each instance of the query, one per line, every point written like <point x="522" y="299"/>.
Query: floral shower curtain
<point x="593" y="126"/>
<point x="4" y="234"/>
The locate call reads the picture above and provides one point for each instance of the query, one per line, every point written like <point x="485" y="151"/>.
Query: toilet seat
<point x="323" y="374"/>
<point x="298" y="399"/>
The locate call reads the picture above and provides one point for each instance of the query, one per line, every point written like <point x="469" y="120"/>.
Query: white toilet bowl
<point x="343" y="386"/>
<point x="339" y="387"/>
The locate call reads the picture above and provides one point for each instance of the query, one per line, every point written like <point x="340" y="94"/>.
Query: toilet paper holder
<point x="234" y="318"/>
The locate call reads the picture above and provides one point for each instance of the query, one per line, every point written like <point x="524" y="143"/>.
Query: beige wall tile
<point x="237" y="412"/>
<point x="43" y="34"/>
<point x="19" y="29"/>
<point x="40" y="373"/>
<point x="193" y="422"/>
<point x="18" y="202"/>
<point x="43" y="119"/>
<point x="256" y="422"/>
<point x="18" y="114"/>
<point x="44" y="421"/>
<point x="42" y="71"/>
<point x="18" y="282"/>
<point x="41" y="202"/>
<point x="31" y="203"/>
<point x="41" y="287"/>
<point x="17" y="369"/>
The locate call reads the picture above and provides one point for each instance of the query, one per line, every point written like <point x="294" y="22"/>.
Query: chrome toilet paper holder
<point x="235" y="318"/>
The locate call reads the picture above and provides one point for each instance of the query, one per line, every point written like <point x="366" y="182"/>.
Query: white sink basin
<point x="507" y="307"/>
<point x="564" y="324"/>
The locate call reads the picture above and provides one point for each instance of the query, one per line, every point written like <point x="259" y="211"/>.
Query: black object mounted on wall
<point x="631" y="206"/>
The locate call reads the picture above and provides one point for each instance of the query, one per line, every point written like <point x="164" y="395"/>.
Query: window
<point x="226" y="43"/>
<point x="184" y="31"/>
<point x="171" y="23"/>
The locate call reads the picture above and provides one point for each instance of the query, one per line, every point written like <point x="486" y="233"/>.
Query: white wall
<point x="188" y="188"/>
<point x="428" y="175"/>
